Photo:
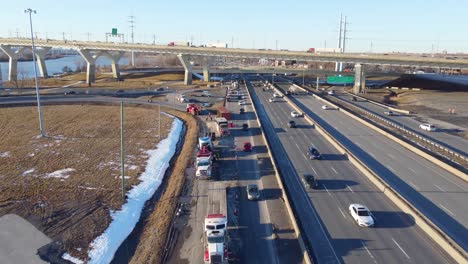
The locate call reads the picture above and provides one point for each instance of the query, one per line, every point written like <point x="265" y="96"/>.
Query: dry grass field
<point x="67" y="183"/>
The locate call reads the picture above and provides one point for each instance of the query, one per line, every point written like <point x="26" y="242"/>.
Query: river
<point x="26" y="70"/>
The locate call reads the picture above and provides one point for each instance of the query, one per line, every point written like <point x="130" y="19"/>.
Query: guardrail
<point x="307" y="258"/>
<point x="432" y="230"/>
<point x="403" y="129"/>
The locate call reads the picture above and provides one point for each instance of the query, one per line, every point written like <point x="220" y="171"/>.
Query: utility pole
<point x="339" y="41"/>
<point x="154" y="39"/>
<point x="88" y="34"/>
<point x="232" y="42"/>
<point x="38" y="96"/>
<point x="122" y="153"/>
<point x="17" y="33"/>
<point x="132" y="35"/>
<point x="344" y="42"/>
<point x="63" y="36"/>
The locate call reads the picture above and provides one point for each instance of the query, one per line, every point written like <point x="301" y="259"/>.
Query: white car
<point x="243" y="102"/>
<point x="295" y="114"/>
<point x="277" y="95"/>
<point x="361" y="215"/>
<point x="331" y="92"/>
<point x="325" y="107"/>
<point x="427" y="127"/>
<point x="272" y="99"/>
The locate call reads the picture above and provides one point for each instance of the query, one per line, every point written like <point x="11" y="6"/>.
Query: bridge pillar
<point x="91" y="65"/>
<point x="184" y="59"/>
<point x="206" y="69"/>
<point x="359" y="78"/>
<point x="114" y="58"/>
<point x="12" y="63"/>
<point x="40" y="57"/>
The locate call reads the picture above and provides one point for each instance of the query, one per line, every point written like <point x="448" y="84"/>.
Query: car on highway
<point x="295" y="114"/>
<point x="69" y="93"/>
<point x="247" y="147"/>
<point x="354" y="98"/>
<point x="241" y="111"/>
<point x="331" y="92"/>
<point x="273" y="99"/>
<point x="309" y="181"/>
<point x="245" y="127"/>
<point x="242" y="102"/>
<point x="389" y="113"/>
<point x="361" y="215"/>
<point x="253" y="193"/>
<point x="325" y="107"/>
<point x="277" y="95"/>
<point x="119" y="92"/>
<point x="292" y="124"/>
<point x="313" y="153"/>
<point x="427" y="127"/>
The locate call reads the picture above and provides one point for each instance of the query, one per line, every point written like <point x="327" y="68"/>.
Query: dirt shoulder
<point x="67" y="183"/>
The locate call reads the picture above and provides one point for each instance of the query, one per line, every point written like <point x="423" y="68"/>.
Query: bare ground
<point x="75" y="210"/>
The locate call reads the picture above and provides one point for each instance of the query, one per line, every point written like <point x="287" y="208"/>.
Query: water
<point x="26" y="70"/>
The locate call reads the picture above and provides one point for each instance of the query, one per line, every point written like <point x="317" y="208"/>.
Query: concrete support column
<point x="359" y="78"/>
<point x="40" y="57"/>
<point x="185" y="60"/>
<point x="114" y="58"/>
<point x="91" y="65"/>
<point x="206" y="69"/>
<point x="12" y="63"/>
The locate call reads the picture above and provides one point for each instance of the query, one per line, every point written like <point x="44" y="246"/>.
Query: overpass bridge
<point x="90" y="51"/>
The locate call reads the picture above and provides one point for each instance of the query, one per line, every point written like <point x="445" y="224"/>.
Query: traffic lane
<point x="314" y="233"/>
<point x="356" y="141"/>
<point x="456" y="143"/>
<point x="340" y="197"/>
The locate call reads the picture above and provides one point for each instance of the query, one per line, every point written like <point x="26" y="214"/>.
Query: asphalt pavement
<point x="326" y="222"/>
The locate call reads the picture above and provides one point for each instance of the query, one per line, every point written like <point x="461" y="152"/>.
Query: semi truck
<point x="204" y="163"/>
<point x="215" y="226"/>
<point x="193" y="109"/>
<point x="222" y="126"/>
<point x="179" y="43"/>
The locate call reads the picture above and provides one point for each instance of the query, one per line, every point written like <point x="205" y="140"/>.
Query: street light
<point x="38" y="96"/>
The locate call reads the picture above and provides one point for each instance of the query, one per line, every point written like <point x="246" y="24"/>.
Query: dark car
<point x="313" y="153"/>
<point x="354" y="98"/>
<point x="119" y="92"/>
<point x="245" y="127"/>
<point x="241" y="111"/>
<point x="247" y="146"/>
<point x="292" y="124"/>
<point x="309" y="181"/>
<point x="69" y="92"/>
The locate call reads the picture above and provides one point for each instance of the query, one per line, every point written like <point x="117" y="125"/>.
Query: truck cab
<point x="216" y="250"/>
<point x="203" y="167"/>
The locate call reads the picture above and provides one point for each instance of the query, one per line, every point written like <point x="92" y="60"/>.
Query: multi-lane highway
<point x="323" y="213"/>
<point x="437" y="193"/>
<point x="412" y="123"/>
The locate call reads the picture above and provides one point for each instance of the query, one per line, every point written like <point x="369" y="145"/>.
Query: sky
<point x="373" y="25"/>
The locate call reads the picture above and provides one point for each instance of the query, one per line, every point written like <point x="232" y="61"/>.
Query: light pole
<point x="303" y="71"/>
<point x="38" y="96"/>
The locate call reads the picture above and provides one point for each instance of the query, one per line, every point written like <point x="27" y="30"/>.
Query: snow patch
<point x="133" y="167"/>
<point x="61" y="174"/>
<point x="5" y="154"/>
<point x="28" y="171"/>
<point x="67" y="256"/>
<point x="104" y="247"/>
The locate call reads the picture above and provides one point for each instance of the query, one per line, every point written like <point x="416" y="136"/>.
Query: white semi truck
<point x="215" y="226"/>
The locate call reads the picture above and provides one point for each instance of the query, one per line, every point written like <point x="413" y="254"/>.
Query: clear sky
<point x="384" y="26"/>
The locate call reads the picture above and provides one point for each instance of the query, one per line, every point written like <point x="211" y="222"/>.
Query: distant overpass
<point x="114" y="51"/>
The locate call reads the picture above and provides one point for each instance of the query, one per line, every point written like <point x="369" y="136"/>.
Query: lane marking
<point x="408" y="257"/>
<point x="341" y="211"/>
<point x="412" y="170"/>
<point x="391" y="156"/>
<point x="414" y="186"/>
<point x="370" y="153"/>
<point x="439" y="188"/>
<point x="448" y="211"/>
<point x="326" y="189"/>
<point x="314" y="170"/>
<point x="334" y="170"/>
<point x="390" y="168"/>
<point x="368" y="252"/>
<point x="350" y="188"/>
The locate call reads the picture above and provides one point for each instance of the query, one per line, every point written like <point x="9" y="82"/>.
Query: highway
<point x="437" y="193"/>
<point x="412" y="123"/>
<point x="326" y="222"/>
<point x="251" y="232"/>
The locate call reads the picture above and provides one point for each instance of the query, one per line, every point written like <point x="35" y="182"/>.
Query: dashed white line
<point x="326" y="189"/>
<point x="334" y="170"/>
<point x="350" y="189"/>
<point x="408" y="257"/>
<point x="439" y="188"/>
<point x="314" y="171"/>
<point x="368" y="252"/>
<point x="341" y="211"/>
<point x="391" y="156"/>
<point x="448" y="211"/>
<point x="412" y="170"/>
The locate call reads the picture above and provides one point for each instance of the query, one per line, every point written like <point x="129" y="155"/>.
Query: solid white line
<point x="350" y="189"/>
<point x="368" y="252"/>
<point x="414" y="186"/>
<point x="326" y="189"/>
<point x="400" y="248"/>
<point x="448" y="211"/>
<point x="334" y="170"/>
<point x="342" y="212"/>
<point x="439" y="188"/>
<point x="390" y="168"/>
<point x="314" y="171"/>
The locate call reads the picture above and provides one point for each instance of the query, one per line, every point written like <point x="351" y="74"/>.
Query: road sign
<point x="114" y="31"/>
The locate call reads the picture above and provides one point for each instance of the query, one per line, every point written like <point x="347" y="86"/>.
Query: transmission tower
<point x="132" y="36"/>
